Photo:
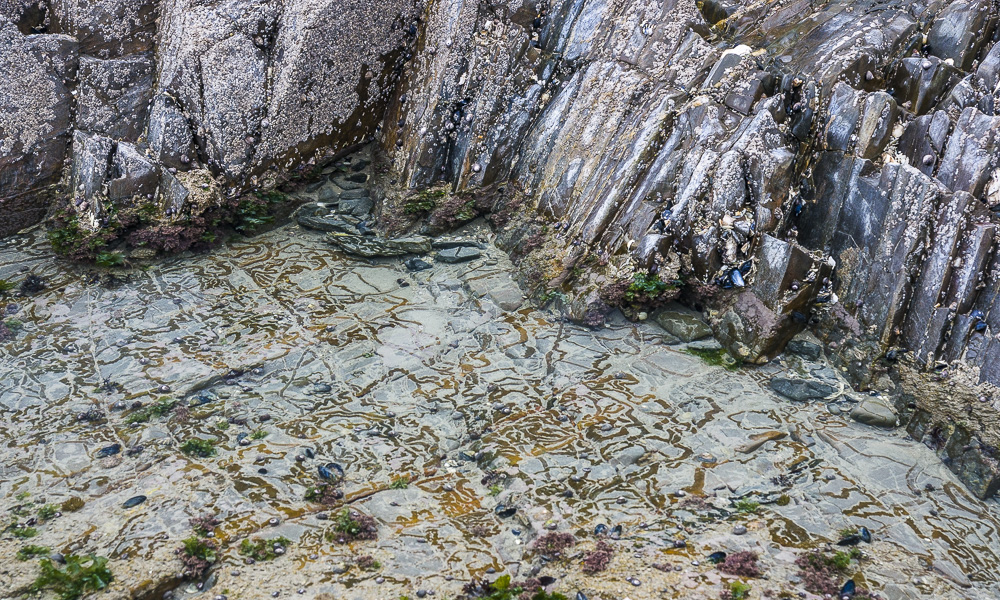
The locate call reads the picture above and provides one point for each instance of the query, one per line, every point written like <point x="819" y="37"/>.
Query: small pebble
<point x="739" y="530"/>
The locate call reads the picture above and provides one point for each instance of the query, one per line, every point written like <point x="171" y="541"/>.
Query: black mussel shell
<point x="546" y="580"/>
<point x="851" y="540"/>
<point x="134" y="501"/>
<point x="109" y="450"/>
<point x="849" y="588"/>
<point x="505" y="511"/>
<point x="616" y="531"/>
<point x="866" y="536"/>
<point x="716" y="557"/>
<point x="601" y="529"/>
<point x="580" y="596"/>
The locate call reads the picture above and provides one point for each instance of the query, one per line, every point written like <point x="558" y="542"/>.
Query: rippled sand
<point x="423" y="378"/>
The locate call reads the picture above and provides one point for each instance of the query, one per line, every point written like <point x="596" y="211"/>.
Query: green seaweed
<point x="47" y="512"/>
<point x="109" y="259"/>
<point x="199" y="447"/>
<point x="260" y="549"/>
<point x="81" y="575"/>
<point x="32" y="551"/>
<point x="746" y="506"/>
<point x="424" y="201"/>
<point x="737" y="590"/>
<point x="146" y="413"/>
<point x="717" y="357"/>
<point x="645" y="287"/>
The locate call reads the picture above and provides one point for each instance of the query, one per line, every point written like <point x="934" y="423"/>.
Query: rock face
<point x="781" y="166"/>
<point x="232" y="88"/>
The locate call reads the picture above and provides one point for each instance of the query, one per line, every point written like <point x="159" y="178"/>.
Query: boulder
<point x="682" y="323"/>
<point x="875" y="412"/>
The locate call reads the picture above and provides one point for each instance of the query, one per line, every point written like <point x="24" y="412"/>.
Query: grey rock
<point x="169" y="135"/>
<point x="321" y="217"/>
<point x="876" y="413"/>
<point x="372" y="247"/>
<point x="802" y="389"/>
<point x="952" y="572"/>
<point x="960" y="30"/>
<point x="132" y="174"/>
<point x="458" y="255"/>
<point x="113" y="95"/>
<point x="34" y="124"/>
<point x="357" y="207"/>
<point x="682" y="322"/>
<point x="806" y="346"/>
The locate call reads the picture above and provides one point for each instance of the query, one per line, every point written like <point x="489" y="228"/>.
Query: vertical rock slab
<point x="333" y="73"/>
<point x="970" y="156"/>
<point x="961" y="29"/>
<point x="35" y="111"/>
<point x="106" y="28"/>
<point x="113" y="95"/>
<point x="925" y="323"/>
<point x="879" y="242"/>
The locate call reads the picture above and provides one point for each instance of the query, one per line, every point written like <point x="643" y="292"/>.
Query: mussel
<point x="134" y="501"/>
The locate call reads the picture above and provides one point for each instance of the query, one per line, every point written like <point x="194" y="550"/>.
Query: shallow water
<point x="418" y="375"/>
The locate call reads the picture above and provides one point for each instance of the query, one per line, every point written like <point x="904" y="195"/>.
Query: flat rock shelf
<point x="434" y="411"/>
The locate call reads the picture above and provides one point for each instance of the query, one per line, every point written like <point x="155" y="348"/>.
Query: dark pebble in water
<point x="866" y="536"/>
<point x="322" y="388"/>
<point x="849" y="588"/>
<point x="262" y="471"/>
<point x="134" y="501"/>
<point x="504" y="512"/>
<point x="56" y="557"/>
<point x="491" y="570"/>
<point x="309" y="453"/>
<point x="380" y="580"/>
<point x="716" y="557"/>
<point x="601" y="529"/>
<point x="546" y="580"/>
<point x="416" y="264"/>
<point x="421" y="593"/>
<point x="109" y="450"/>
<point x="516" y="531"/>
<point x="242" y="436"/>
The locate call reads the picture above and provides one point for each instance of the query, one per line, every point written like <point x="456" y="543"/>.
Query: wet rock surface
<point x="299" y="365"/>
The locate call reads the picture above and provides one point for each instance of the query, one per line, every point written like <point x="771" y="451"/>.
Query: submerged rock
<point x="372" y="247"/>
<point x="801" y="389"/>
